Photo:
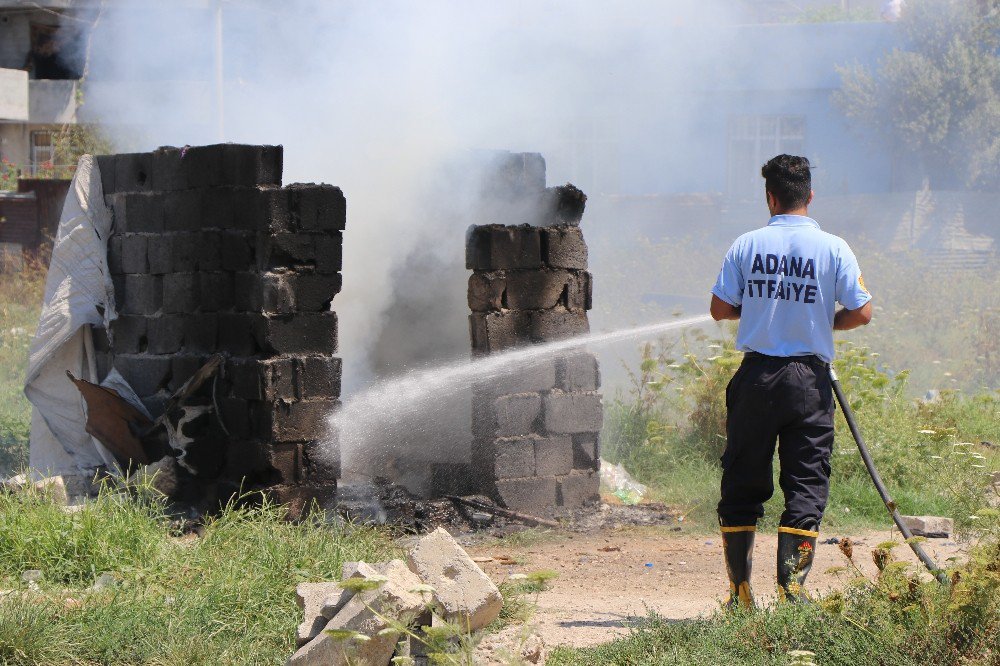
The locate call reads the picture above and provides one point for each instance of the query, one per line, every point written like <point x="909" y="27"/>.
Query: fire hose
<point x="845" y="407"/>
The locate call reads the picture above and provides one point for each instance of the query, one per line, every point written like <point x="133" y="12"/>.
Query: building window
<point x="43" y="151"/>
<point x="56" y="52"/>
<point x="753" y="140"/>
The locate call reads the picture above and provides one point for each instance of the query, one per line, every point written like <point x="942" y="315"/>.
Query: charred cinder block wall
<point x="210" y="254"/>
<point x="535" y="429"/>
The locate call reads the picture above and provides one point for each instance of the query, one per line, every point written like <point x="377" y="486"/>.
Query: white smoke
<point x="376" y="97"/>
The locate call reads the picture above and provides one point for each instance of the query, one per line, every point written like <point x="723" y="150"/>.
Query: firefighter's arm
<point x="846" y="319"/>
<point x="721" y="310"/>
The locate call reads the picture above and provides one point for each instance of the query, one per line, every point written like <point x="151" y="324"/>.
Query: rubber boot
<point x="796" y="550"/>
<point x="737" y="546"/>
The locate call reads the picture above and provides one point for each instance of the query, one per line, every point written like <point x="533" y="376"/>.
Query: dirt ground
<point x="608" y="578"/>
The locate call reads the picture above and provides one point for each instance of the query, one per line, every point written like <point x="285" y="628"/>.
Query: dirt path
<point x="610" y="576"/>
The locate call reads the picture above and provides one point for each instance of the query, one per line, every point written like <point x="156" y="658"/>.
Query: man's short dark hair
<point x="789" y="179"/>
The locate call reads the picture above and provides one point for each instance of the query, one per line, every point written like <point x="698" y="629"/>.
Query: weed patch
<point x="227" y="597"/>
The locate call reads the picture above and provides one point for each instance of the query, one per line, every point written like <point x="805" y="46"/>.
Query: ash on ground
<point x="384" y="503"/>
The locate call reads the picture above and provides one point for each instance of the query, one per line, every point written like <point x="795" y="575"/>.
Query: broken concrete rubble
<point x="371" y="614"/>
<point x="930" y="526"/>
<point x="464" y="592"/>
<point x="362" y="623"/>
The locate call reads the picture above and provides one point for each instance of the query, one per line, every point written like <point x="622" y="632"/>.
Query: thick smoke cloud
<point x="380" y="98"/>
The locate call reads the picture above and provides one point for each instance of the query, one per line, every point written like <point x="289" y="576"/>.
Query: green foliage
<point x="669" y="431"/>
<point x="227" y="597"/>
<point x="20" y="301"/>
<point x="900" y="617"/>
<point x="939" y="95"/>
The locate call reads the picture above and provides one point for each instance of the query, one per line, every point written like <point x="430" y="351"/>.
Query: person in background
<point x="782" y="283"/>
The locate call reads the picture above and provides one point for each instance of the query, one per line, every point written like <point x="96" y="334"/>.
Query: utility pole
<point x="219" y="99"/>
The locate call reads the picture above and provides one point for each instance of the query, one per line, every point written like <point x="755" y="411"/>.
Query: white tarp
<point x="78" y="294"/>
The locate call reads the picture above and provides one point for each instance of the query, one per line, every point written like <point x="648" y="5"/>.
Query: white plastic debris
<point x="615" y="480"/>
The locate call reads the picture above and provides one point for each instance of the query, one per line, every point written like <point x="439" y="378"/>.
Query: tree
<point x="937" y="97"/>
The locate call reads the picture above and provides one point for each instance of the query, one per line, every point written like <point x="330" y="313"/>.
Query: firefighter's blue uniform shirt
<point x="788" y="277"/>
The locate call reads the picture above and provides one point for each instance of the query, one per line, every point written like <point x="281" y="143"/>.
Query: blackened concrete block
<point x="268" y="211"/>
<point x="209" y="251"/>
<point x="579" y="487"/>
<point x="568" y="413"/>
<point x="248" y="291"/>
<point x="181" y="293"/>
<point x="138" y="212"/>
<point x="133" y="172"/>
<point x="143" y="294"/>
<point x="133" y="253"/>
<point x="215" y="291"/>
<point x="145" y="374"/>
<point x="246" y="165"/>
<point x="305" y="333"/>
<point x="314" y="291"/>
<point x="165" y="334"/>
<point x="237" y="251"/>
<point x="586" y="451"/>
<point x="496" y="247"/>
<point x="161" y="254"/>
<point x="321" y="460"/>
<point x="487" y="292"/>
<point x="517" y="414"/>
<point x="285" y="460"/>
<point x="129" y="334"/>
<point x="300" y="421"/>
<point x="115" y="266"/>
<point x="219" y="208"/>
<point x="330" y="252"/>
<point x="203" y="165"/>
<point x="563" y="205"/>
<point x="277" y="294"/>
<point x="578" y="372"/>
<point x="553" y="455"/>
<point x="564" y="247"/>
<point x="182" y="368"/>
<point x="493" y="332"/>
<point x="237" y="333"/>
<point x="201" y="333"/>
<point x="261" y="379"/>
<point x="318" y="377"/>
<point x="107" y="165"/>
<point x="168" y="169"/>
<point x="183" y="211"/>
<point x="558" y="324"/>
<point x="285" y="250"/>
<point x="318" y="207"/>
<point x="543" y="290"/>
<point x="513" y="457"/>
<point x="183" y="249"/>
<point x="530" y="494"/>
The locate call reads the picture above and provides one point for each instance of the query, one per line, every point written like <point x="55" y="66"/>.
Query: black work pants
<point x="783" y="400"/>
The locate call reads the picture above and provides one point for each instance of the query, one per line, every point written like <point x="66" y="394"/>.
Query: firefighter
<point x="782" y="283"/>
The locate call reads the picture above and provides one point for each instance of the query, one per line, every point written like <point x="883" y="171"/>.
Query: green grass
<point x="20" y="304"/>
<point x="669" y="432"/>
<point x="227" y="597"/>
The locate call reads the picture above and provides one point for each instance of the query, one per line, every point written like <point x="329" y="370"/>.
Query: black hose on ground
<point x="845" y="408"/>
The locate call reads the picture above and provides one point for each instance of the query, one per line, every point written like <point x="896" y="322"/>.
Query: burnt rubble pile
<point x="209" y="254"/>
<point x="535" y="431"/>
